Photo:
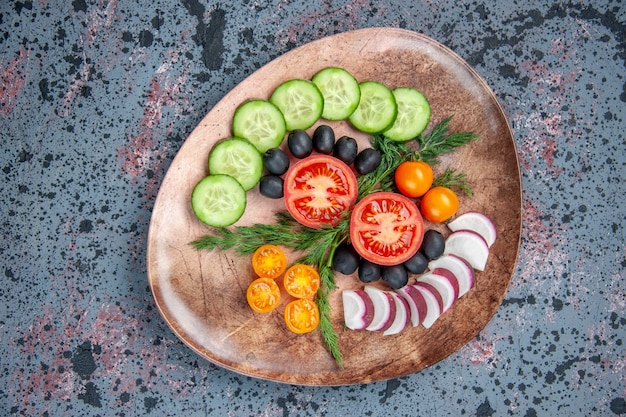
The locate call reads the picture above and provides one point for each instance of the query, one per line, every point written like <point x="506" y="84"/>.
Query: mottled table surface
<point x="98" y="96"/>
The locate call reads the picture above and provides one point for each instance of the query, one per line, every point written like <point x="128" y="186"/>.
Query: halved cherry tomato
<point x="439" y="204"/>
<point x="302" y="315"/>
<point x="386" y="228"/>
<point x="269" y="261"/>
<point x="301" y="281"/>
<point x="319" y="190"/>
<point x="263" y="295"/>
<point x="414" y="178"/>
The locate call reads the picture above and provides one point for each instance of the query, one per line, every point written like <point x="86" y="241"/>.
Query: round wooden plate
<point x="201" y="294"/>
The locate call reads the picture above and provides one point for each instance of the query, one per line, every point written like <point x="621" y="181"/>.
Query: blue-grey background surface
<point x="98" y="96"/>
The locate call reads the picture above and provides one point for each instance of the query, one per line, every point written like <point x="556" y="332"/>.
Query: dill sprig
<point x="437" y="141"/>
<point x="452" y="179"/>
<point x="246" y="239"/>
<point x="319" y="244"/>
<point x="329" y="335"/>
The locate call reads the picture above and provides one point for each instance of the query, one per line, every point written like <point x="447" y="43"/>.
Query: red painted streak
<point x="40" y="346"/>
<point x="100" y="20"/>
<point x="74" y="90"/>
<point x="140" y="155"/>
<point x="13" y="77"/>
<point x="479" y="352"/>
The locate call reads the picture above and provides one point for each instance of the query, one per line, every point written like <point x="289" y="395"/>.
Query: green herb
<point x="452" y="179"/>
<point x="319" y="245"/>
<point x="436" y="142"/>
<point x="329" y="335"/>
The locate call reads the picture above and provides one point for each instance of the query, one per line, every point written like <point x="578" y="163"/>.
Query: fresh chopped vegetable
<point x="469" y="246"/>
<point x="301" y="281"/>
<point x="269" y="261"/>
<point x="476" y="222"/>
<point x="263" y="295"/>
<point x="300" y="102"/>
<point x="260" y="122"/>
<point x="238" y="158"/>
<point x="340" y="90"/>
<point x="302" y="316"/>
<point x="377" y="109"/>
<point x="319" y="190"/>
<point x="413" y="115"/>
<point x="386" y="228"/>
<point x="218" y="200"/>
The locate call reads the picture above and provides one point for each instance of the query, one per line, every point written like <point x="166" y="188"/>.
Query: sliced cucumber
<point x="218" y="200"/>
<point x="413" y="115"/>
<point x="260" y="122"/>
<point x="238" y="158"/>
<point x="340" y="90"/>
<point x="300" y="101"/>
<point x="377" y="109"/>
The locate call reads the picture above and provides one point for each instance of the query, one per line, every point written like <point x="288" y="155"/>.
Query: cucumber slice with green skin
<point x="413" y="115"/>
<point x="218" y="200"/>
<point x="340" y="90"/>
<point x="238" y="158"/>
<point x="300" y="101"/>
<point x="261" y="123"/>
<point x="377" y="109"/>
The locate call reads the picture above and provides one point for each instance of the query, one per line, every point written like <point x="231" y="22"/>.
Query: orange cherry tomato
<point x="439" y="204"/>
<point x="301" y="281"/>
<point x="269" y="261"/>
<point x="414" y="178"/>
<point x="263" y="295"/>
<point x="302" y="315"/>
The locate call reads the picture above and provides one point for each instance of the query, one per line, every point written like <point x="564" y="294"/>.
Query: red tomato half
<point x="386" y="228"/>
<point x="319" y="190"/>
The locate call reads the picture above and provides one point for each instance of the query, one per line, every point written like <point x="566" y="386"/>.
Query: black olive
<point x="433" y="244"/>
<point x="396" y="276"/>
<point x="271" y="186"/>
<point x="345" y="259"/>
<point x="324" y="139"/>
<point x="368" y="271"/>
<point x="367" y="161"/>
<point x="345" y="149"/>
<point x="299" y="143"/>
<point x="276" y="161"/>
<point x="416" y="264"/>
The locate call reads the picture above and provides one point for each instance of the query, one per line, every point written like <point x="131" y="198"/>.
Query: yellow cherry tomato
<point x="439" y="204"/>
<point x="302" y="315"/>
<point x="301" y="281"/>
<point x="269" y="261"/>
<point x="263" y="295"/>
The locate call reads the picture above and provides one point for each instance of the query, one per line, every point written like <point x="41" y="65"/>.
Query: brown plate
<point x="201" y="295"/>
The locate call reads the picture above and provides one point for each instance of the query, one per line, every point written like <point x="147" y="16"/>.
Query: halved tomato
<point x="386" y="228"/>
<point x="302" y="315"/>
<point x="263" y="295"/>
<point x="319" y="190"/>
<point x="301" y="281"/>
<point x="269" y="261"/>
